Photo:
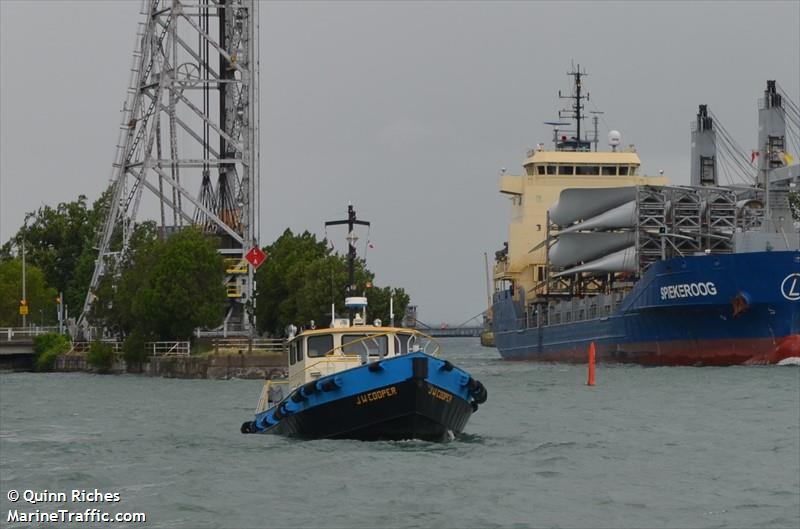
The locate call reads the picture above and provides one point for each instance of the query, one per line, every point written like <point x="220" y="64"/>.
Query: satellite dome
<point x="614" y="138"/>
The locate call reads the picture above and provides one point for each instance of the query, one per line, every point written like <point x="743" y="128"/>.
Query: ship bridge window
<point x="551" y="169"/>
<point x="360" y="344"/>
<point x="609" y="170"/>
<point x="293" y="353"/>
<point x="587" y="170"/>
<point x="566" y="169"/>
<point x="623" y="170"/>
<point x="319" y="345"/>
<point x="540" y="169"/>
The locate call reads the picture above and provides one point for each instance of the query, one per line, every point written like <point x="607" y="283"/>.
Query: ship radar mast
<point x="352" y="301"/>
<point x="575" y="111"/>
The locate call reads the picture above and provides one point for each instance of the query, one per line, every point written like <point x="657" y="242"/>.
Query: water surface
<point x="646" y="447"/>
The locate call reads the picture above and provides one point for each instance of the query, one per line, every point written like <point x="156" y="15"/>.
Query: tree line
<point x="165" y="287"/>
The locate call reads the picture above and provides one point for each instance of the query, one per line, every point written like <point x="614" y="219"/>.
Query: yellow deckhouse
<point x="547" y="173"/>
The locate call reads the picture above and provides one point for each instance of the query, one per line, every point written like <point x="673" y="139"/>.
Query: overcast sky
<point x="409" y="110"/>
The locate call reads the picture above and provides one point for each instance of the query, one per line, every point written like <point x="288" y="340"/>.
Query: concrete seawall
<point x="216" y="366"/>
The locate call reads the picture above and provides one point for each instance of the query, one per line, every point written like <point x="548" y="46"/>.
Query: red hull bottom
<point x="725" y="352"/>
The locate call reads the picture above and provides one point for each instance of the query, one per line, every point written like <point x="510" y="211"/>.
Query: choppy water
<point x="646" y="447"/>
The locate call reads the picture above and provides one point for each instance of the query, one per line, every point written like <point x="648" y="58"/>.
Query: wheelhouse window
<point x="540" y="169"/>
<point x="293" y="353"/>
<point x="319" y="345"/>
<point x="587" y="170"/>
<point x="360" y="344"/>
<point x="609" y="170"/>
<point x="623" y="170"/>
<point x="551" y="169"/>
<point x="566" y="170"/>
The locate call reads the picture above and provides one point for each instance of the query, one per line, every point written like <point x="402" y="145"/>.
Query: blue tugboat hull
<point x="399" y="411"/>
<point x="414" y="396"/>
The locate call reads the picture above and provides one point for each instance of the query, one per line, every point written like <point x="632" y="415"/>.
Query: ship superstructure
<point x="571" y="163"/>
<point x="651" y="272"/>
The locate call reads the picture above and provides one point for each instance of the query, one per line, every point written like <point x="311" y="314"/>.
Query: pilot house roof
<point x="605" y="158"/>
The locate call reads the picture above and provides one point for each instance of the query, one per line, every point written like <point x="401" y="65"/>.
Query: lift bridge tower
<point x="187" y="153"/>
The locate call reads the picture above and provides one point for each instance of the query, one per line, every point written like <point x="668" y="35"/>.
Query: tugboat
<point x="363" y="381"/>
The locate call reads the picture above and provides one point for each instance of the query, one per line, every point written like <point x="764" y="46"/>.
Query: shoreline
<point x="212" y="366"/>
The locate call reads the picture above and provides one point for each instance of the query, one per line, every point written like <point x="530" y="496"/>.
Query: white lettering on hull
<point x="688" y="290"/>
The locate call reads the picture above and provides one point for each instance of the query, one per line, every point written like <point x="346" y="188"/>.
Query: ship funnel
<point x="574" y="248"/>
<point x="623" y="216"/>
<point x="580" y="204"/>
<point x="620" y="261"/>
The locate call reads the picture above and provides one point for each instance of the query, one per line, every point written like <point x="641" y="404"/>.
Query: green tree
<point x="184" y="289"/>
<point x="164" y="289"/>
<point x="378" y="299"/>
<point x="59" y="241"/>
<point x="100" y="356"/>
<point x="42" y="307"/>
<point x="113" y="305"/>
<point x="46" y="348"/>
<point x="302" y="278"/>
<point x="279" y="278"/>
<point x="133" y="349"/>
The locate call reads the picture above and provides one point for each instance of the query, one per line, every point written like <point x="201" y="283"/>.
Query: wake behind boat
<point x="354" y="380"/>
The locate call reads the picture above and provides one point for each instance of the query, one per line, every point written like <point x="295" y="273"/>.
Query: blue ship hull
<point x="413" y="396"/>
<point x="702" y="310"/>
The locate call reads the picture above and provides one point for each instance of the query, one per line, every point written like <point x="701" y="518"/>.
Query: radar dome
<point x="614" y="138"/>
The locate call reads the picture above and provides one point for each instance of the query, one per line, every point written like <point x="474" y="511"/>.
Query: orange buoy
<point x="590" y="381"/>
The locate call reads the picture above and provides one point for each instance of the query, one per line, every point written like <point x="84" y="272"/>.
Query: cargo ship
<point x="652" y="273"/>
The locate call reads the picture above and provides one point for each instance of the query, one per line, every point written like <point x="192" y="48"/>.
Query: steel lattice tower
<point x="189" y="136"/>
